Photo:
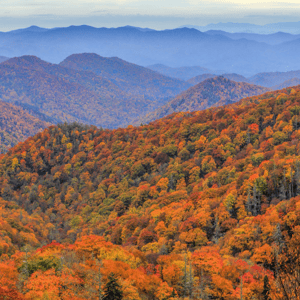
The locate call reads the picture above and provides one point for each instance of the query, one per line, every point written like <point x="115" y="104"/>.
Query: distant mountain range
<point x="184" y="73"/>
<point x="288" y="27"/>
<point x="273" y="80"/>
<point x="245" y="55"/>
<point x="211" y="92"/>
<point x="110" y="92"/>
<point x="16" y="125"/>
<point x="288" y="83"/>
<point x="271" y="39"/>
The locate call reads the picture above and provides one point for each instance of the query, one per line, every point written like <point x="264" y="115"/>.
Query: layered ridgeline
<point x="176" y="47"/>
<point x="274" y="80"/>
<point x="58" y="94"/>
<point x="203" y="203"/>
<point x="211" y="92"/>
<point x="200" y="78"/>
<point x="16" y="125"/>
<point x="131" y="78"/>
<point x="184" y="73"/>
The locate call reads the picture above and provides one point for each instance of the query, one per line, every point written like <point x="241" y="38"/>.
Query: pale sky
<point x="158" y="14"/>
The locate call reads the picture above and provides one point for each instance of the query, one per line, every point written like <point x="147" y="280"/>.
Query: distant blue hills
<point x="244" y="53"/>
<point x="287" y="27"/>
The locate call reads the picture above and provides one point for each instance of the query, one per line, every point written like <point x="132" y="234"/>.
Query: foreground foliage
<point x="201" y="205"/>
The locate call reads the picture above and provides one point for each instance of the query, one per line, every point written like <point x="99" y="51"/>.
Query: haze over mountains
<point x="175" y="48"/>
<point x="231" y="27"/>
<point x="108" y="91"/>
<point x="184" y="73"/>
<point x="269" y="79"/>
<point x="211" y="92"/>
<point x="131" y="78"/>
<point x="57" y="94"/>
<point x="111" y="93"/>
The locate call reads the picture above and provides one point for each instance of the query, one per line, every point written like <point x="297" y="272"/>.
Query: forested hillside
<point x="202" y="205"/>
<point x="200" y="78"/>
<point x="211" y="92"/>
<point x="16" y="125"/>
<point x="273" y="80"/>
<point x="288" y="83"/>
<point x="131" y="78"/>
<point x="58" y="94"/>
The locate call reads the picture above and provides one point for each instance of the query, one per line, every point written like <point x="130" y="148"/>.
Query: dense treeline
<point x="201" y="205"/>
<point x="16" y="125"/>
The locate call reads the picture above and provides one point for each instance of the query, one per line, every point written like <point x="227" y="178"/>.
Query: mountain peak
<point x="212" y="92"/>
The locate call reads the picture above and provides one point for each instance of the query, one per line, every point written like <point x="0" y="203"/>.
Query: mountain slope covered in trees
<point x="273" y="79"/>
<point x="59" y="94"/>
<point x="211" y="92"/>
<point x="16" y="125"/>
<point x="200" y="78"/>
<point x="288" y="83"/>
<point x="200" y="205"/>
<point x="129" y="77"/>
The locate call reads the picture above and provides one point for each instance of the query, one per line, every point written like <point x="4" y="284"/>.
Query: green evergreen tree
<point x="112" y="290"/>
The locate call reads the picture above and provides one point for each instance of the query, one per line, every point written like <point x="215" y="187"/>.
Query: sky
<point x="157" y="14"/>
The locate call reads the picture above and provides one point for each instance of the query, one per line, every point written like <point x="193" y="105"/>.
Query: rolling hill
<point x="270" y="79"/>
<point x="58" y="94"/>
<point x="211" y="92"/>
<point x="131" y="78"/>
<point x="16" y="125"/>
<point x="200" y="78"/>
<point x="274" y="80"/>
<point x="288" y="83"/>
<point x="212" y="196"/>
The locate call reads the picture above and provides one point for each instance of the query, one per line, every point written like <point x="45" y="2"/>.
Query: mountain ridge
<point x="216" y="91"/>
<point x="168" y="47"/>
<point x="131" y="78"/>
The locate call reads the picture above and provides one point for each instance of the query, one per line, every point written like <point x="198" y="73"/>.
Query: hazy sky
<point x="159" y="14"/>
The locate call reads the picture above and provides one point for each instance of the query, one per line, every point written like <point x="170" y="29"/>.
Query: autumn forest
<point x="123" y="181"/>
